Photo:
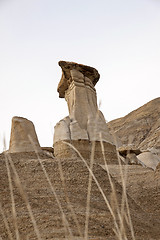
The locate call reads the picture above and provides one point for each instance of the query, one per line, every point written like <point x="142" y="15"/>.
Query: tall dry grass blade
<point x="89" y="191"/>
<point x="124" y="180"/>
<point x="67" y="199"/>
<point x="97" y="183"/>
<point x="12" y="199"/>
<point x="65" y="228"/>
<point x="10" y="237"/>
<point x="114" y="195"/>
<point x="106" y="165"/>
<point x="52" y="187"/>
<point x="129" y="218"/>
<point x="56" y="197"/>
<point x="124" y="195"/>
<point x="125" y="198"/>
<point x="90" y="175"/>
<point x="14" y="215"/>
<point x="25" y="198"/>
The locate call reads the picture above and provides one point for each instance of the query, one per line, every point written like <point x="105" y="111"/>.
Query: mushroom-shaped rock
<point x="23" y="136"/>
<point x="85" y="122"/>
<point x="66" y="78"/>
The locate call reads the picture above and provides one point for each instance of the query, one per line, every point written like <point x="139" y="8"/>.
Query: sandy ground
<point x="143" y="197"/>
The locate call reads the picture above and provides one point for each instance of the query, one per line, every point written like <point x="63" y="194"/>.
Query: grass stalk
<point x="114" y="195"/>
<point x="12" y="199"/>
<point x="55" y="195"/>
<point x="14" y="215"/>
<point x="52" y="189"/>
<point x="89" y="191"/>
<point x="124" y="193"/>
<point x="24" y="196"/>
<point x="98" y="185"/>
<point x="10" y="237"/>
<point x="125" y="198"/>
<point x="67" y="199"/>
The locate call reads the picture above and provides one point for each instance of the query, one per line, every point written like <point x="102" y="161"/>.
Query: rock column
<point x="23" y="136"/>
<point x="85" y="122"/>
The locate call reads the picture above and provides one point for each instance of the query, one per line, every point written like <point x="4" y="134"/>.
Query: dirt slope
<point x="143" y="185"/>
<point x="45" y="208"/>
<point x="140" y="127"/>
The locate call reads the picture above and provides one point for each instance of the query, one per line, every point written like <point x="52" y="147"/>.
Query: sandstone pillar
<point x="85" y="122"/>
<point x="21" y="131"/>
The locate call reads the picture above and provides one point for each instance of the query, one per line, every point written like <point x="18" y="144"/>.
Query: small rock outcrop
<point x="23" y="136"/>
<point x="128" y="155"/>
<point x="131" y="158"/>
<point x="149" y="159"/>
<point x="126" y="149"/>
<point x="85" y="122"/>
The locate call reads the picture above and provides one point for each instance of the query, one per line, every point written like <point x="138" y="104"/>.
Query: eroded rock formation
<point x="149" y="159"/>
<point x="141" y="127"/>
<point x="23" y="136"/>
<point x="85" y="122"/>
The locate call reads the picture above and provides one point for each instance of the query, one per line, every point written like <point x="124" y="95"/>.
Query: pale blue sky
<point x="121" y="39"/>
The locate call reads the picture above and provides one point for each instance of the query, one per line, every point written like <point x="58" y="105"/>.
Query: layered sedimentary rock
<point x="23" y="136"/>
<point x="140" y="127"/>
<point x="85" y="122"/>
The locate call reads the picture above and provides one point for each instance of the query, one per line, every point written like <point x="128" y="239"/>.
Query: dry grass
<point x="119" y="215"/>
<point x="23" y="194"/>
<point x="10" y="237"/>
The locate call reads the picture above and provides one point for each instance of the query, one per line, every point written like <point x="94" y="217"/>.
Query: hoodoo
<point x="23" y="136"/>
<point x="85" y="122"/>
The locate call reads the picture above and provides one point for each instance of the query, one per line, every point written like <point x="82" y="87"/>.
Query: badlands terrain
<point x="140" y="127"/>
<point x="99" y="181"/>
<point x="69" y="179"/>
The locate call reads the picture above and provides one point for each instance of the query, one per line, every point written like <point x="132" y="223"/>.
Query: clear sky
<point x="121" y="39"/>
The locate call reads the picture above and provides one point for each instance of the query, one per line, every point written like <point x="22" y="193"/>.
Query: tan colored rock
<point x="149" y="159"/>
<point x="62" y="131"/>
<point x="152" y="141"/>
<point x="127" y="149"/>
<point x="87" y="71"/>
<point x="84" y="147"/>
<point x="85" y="121"/>
<point x="141" y="127"/>
<point x="131" y="158"/>
<point x="22" y="131"/>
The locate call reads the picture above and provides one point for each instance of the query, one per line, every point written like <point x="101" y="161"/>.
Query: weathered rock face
<point x="64" y="151"/>
<point x="152" y="141"/>
<point x="87" y="71"/>
<point x="140" y="127"/>
<point x="149" y="159"/>
<point x="21" y="132"/>
<point x="85" y="121"/>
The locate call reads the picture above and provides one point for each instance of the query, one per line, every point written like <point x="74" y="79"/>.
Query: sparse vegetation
<point x="118" y="214"/>
<point x="42" y="197"/>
